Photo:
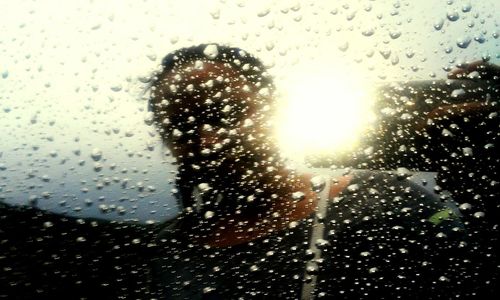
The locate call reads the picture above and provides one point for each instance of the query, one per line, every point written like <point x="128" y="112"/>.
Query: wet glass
<point x="368" y="169"/>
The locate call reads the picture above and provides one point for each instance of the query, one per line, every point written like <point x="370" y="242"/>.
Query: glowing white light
<point x="322" y="113"/>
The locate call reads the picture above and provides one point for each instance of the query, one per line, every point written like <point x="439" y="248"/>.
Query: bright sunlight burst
<point x="322" y="112"/>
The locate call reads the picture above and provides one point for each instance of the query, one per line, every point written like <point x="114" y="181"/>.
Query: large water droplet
<point x="211" y="51"/>
<point x="318" y="183"/>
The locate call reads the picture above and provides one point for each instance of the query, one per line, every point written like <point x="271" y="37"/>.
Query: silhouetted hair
<point x="241" y="61"/>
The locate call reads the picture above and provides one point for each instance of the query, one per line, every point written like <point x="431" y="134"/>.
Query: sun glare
<point x="322" y="113"/>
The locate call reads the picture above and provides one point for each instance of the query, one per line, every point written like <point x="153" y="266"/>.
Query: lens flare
<point x="321" y="113"/>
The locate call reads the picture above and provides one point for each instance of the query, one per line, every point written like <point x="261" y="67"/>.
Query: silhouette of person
<point x="253" y="228"/>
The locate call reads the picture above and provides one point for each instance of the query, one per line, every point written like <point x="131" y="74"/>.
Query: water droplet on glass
<point x="263" y="12"/>
<point x="457" y="93"/>
<point x="116" y="88"/>
<point x="209" y="214"/>
<point x="297" y="196"/>
<point x="251" y="198"/>
<point x="351" y="15"/>
<point x="33" y="199"/>
<point x="264" y="92"/>
<point x="466" y="7"/>
<point x="467" y="151"/>
<point x="479" y="215"/>
<point x="463" y="42"/>
<point x="204" y="187"/>
<point x="215" y="14"/>
<point x="395" y="34"/>
<point x="149" y="118"/>
<point x="438" y="25"/>
<point x="96" y="154"/>
<point x="98" y="167"/>
<point x="344" y="46"/>
<point x="480" y="39"/>
<point x="211" y="51"/>
<point x="368" y="32"/>
<point x="247" y="123"/>
<point x="48" y="224"/>
<point x="465" y="206"/>
<point x="353" y="188"/>
<point x="446" y="133"/>
<point x="452" y="15"/>
<point x="174" y="40"/>
<point x="318" y="183"/>
<point x="176" y="133"/>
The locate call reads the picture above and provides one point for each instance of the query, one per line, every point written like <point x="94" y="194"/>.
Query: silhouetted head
<point x="204" y="94"/>
<point x="212" y="107"/>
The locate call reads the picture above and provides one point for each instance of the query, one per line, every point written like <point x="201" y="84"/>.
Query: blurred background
<point x="76" y="137"/>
